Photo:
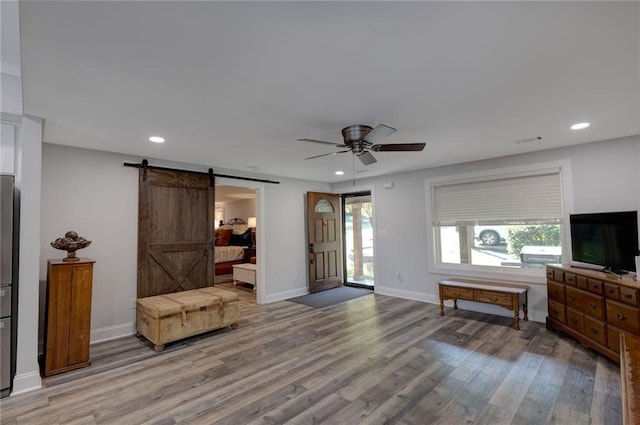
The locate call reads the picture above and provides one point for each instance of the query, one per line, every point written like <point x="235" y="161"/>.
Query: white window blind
<point x="514" y="199"/>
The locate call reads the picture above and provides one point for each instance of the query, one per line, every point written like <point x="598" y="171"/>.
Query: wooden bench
<point x="505" y="295"/>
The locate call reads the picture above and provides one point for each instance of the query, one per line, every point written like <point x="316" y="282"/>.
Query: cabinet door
<point x="80" y="313"/>
<point x="59" y="299"/>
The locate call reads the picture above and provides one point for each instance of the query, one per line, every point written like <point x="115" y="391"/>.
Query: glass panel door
<point x="358" y="239"/>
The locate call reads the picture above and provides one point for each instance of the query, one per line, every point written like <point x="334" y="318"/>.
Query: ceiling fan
<point x="361" y="140"/>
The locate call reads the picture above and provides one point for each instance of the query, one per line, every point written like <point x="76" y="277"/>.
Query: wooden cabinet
<point x="68" y="315"/>
<point x="593" y="307"/>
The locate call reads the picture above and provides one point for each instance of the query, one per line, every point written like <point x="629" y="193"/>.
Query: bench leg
<point x="455" y="304"/>
<point x="516" y="319"/>
<point x="234" y="326"/>
<point x="441" y="307"/>
<point x="525" y="308"/>
<point x="158" y="348"/>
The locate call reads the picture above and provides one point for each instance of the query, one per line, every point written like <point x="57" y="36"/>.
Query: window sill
<point x="531" y="276"/>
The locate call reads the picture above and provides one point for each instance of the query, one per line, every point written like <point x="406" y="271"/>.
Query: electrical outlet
<point x="132" y="303"/>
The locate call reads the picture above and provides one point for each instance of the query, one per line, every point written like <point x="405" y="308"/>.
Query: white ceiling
<point x="234" y="84"/>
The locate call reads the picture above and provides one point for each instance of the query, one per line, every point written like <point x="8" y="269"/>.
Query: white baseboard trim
<point x="26" y="382"/>
<point x="409" y="295"/>
<point x="535" y="316"/>
<point x="284" y="295"/>
<point x="112" y="332"/>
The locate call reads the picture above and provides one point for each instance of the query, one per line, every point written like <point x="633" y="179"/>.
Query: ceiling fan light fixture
<point x="367" y="158"/>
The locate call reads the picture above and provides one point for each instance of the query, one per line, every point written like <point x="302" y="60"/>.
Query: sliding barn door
<point x="325" y="248"/>
<point x="176" y="231"/>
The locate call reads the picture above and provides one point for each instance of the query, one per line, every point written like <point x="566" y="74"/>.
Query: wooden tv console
<point x="593" y="307"/>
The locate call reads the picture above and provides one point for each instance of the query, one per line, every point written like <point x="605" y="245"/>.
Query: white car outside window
<point x="491" y="235"/>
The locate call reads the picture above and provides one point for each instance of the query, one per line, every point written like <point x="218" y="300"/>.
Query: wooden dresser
<point x="593" y="307"/>
<point x="68" y="315"/>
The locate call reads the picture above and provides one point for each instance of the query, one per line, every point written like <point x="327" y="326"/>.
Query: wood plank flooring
<point x="371" y="360"/>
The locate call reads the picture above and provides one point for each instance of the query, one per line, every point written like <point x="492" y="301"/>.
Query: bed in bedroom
<point x="232" y="243"/>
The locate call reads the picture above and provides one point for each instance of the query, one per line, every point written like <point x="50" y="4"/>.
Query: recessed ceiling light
<point x="339" y="173"/>
<point x="156" y="139"/>
<point x="580" y="126"/>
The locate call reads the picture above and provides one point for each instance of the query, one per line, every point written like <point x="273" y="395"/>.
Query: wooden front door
<point x="323" y="234"/>
<point x="175" y="231"/>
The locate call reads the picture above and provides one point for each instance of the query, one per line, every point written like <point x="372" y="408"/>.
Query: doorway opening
<point x="357" y="216"/>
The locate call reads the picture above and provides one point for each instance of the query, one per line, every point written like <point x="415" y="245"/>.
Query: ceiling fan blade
<point x="398" y="147"/>
<point x="340" y="145"/>
<point x="379" y="132"/>
<point x="327" y="154"/>
<point x="367" y="159"/>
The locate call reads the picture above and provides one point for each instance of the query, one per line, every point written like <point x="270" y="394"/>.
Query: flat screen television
<point x="608" y="240"/>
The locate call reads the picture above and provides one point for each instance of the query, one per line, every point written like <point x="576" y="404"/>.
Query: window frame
<point x="434" y="256"/>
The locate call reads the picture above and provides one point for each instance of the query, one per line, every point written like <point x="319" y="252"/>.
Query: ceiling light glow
<point x="156" y="139"/>
<point x="580" y="126"/>
<point x="339" y="173"/>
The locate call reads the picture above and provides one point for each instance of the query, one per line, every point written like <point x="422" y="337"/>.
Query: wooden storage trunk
<point x="171" y="317"/>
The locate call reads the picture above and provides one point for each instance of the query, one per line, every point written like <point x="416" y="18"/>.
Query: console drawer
<point x="595" y="286"/>
<point x="629" y="295"/>
<point x="504" y="300"/>
<point x="585" y="302"/>
<point x="556" y="291"/>
<point x="575" y="320"/>
<point x="612" y="291"/>
<point x="557" y="311"/>
<point x="457" y="293"/>
<point x="623" y="316"/>
<point x="581" y="282"/>
<point x="595" y="330"/>
<point x="558" y="276"/>
<point x="570" y="279"/>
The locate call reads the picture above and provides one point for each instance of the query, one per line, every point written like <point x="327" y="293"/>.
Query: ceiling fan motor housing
<point x="353" y="136"/>
<point x="355" y="133"/>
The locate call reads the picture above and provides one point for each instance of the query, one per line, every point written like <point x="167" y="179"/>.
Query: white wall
<point x="243" y="209"/>
<point x="95" y="195"/>
<point x="604" y="177"/>
<point x="92" y="193"/>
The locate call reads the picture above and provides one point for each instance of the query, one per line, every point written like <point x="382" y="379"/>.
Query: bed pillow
<point x="241" y="240"/>
<point x="223" y="237"/>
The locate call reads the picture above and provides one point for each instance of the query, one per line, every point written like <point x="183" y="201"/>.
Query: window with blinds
<point x="507" y="220"/>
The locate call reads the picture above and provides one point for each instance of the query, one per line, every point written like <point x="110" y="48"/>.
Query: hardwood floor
<point x="371" y="360"/>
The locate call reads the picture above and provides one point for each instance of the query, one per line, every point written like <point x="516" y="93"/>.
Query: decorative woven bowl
<point x="71" y="243"/>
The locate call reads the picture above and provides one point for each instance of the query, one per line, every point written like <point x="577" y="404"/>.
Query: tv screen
<point x="609" y="240"/>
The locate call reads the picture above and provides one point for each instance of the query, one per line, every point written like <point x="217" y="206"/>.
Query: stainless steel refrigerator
<point x="7" y="276"/>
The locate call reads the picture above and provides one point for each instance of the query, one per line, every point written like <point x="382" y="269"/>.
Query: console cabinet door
<point x="68" y="315"/>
